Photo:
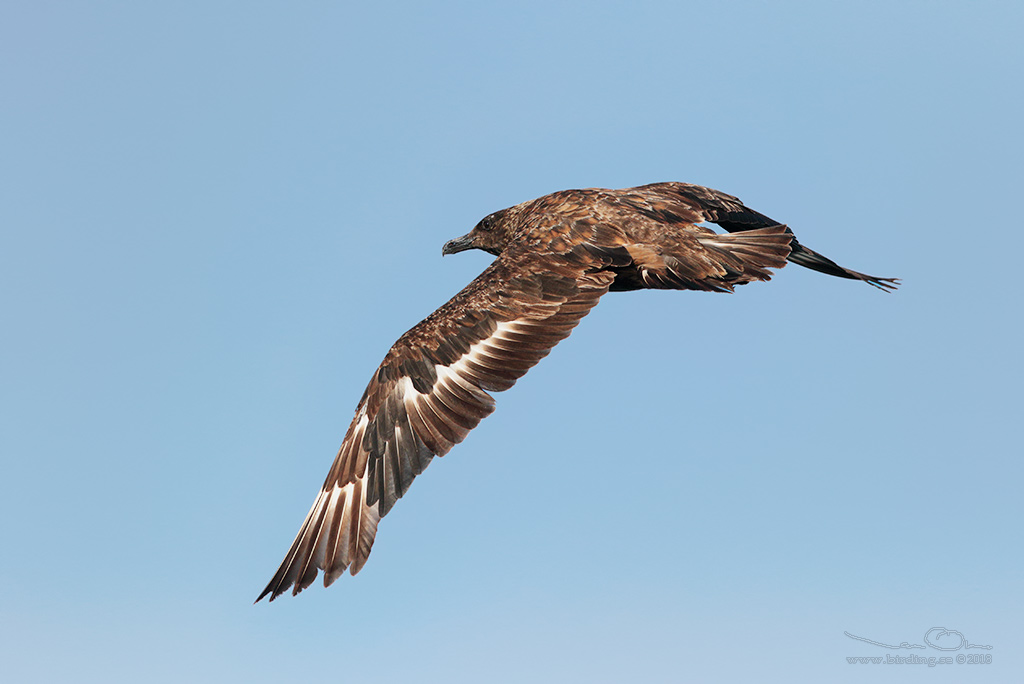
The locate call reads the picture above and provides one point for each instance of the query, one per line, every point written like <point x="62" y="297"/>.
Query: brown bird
<point x="557" y="255"/>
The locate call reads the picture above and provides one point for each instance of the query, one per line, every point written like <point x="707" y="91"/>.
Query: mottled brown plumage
<point x="557" y="255"/>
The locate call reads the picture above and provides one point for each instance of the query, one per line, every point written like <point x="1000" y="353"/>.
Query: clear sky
<point x="216" y="217"/>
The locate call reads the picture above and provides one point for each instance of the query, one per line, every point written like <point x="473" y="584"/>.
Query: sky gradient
<point x="215" y="218"/>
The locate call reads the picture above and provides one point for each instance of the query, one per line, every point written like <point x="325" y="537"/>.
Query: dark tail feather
<point x="808" y="258"/>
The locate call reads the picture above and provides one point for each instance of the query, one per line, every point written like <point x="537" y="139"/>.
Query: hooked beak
<point x="459" y="244"/>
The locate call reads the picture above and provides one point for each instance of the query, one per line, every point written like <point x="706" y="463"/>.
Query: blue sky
<point x="215" y="218"/>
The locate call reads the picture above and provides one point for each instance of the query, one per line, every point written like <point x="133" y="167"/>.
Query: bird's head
<point x="491" y="235"/>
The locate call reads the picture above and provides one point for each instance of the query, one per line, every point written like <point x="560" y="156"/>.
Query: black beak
<point x="459" y="244"/>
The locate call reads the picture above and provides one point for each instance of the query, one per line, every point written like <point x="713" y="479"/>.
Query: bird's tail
<point x="747" y="256"/>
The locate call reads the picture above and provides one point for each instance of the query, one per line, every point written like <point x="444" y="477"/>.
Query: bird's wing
<point x="429" y="392"/>
<point x="696" y="203"/>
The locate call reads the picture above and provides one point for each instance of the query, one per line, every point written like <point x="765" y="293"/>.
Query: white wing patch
<point x="481" y="353"/>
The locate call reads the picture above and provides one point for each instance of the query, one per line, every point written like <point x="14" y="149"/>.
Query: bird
<point x="556" y="256"/>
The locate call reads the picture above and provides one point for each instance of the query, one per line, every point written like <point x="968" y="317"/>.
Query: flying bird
<point x="556" y="257"/>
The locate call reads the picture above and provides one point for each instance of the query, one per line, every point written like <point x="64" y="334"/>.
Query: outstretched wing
<point x="696" y="203"/>
<point x="430" y="391"/>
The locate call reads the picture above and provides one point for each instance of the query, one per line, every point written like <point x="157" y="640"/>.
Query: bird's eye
<point x="487" y="223"/>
